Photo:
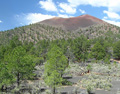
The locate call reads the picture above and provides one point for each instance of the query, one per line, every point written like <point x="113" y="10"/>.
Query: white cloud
<point x="36" y="17"/>
<point x="63" y="16"/>
<point x="48" y="5"/>
<point x="25" y="19"/>
<point x="112" y="5"/>
<point x="112" y="15"/>
<point x="117" y="23"/>
<point x="67" y="8"/>
<point x="70" y="7"/>
<point x="105" y="17"/>
<point x="0" y="21"/>
<point x="62" y="11"/>
<point x="82" y="11"/>
<point x="97" y="3"/>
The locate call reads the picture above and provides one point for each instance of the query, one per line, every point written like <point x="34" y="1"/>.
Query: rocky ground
<point x="102" y="79"/>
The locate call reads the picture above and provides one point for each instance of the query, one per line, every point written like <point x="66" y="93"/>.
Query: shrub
<point x="90" y="89"/>
<point x="96" y="81"/>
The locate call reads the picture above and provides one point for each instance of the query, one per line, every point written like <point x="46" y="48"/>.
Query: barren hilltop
<point x="73" y="23"/>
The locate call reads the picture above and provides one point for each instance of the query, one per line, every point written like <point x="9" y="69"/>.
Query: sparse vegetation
<point x="38" y="57"/>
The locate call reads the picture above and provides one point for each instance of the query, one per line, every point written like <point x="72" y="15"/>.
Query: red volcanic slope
<point x="73" y="23"/>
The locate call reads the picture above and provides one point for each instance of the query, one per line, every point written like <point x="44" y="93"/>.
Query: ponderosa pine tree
<point x="6" y="77"/>
<point x="116" y="50"/>
<point x="80" y="47"/>
<point x="2" y="52"/>
<point x="97" y="51"/>
<point x="54" y="67"/>
<point x="20" y="64"/>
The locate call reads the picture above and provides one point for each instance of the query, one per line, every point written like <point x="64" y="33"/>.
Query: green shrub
<point x="96" y="81"/>
<point x="89" y="67"/>
<point x="90" y="89"/>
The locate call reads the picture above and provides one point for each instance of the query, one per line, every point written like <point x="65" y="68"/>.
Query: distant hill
<point x="73" y="23"/>
<point x="62" y="28"/>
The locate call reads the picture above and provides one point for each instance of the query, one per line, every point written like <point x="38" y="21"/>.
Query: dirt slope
<point x="73" y="23"/>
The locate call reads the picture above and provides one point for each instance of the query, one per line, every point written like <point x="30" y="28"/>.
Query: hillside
<point x="87" y="25"/>
<point x="41" y="58"/>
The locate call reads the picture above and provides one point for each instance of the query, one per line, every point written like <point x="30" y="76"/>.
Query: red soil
<point x="73" y="23"/>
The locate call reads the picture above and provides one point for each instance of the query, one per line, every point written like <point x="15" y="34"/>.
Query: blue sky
<point x="15" y="13"/>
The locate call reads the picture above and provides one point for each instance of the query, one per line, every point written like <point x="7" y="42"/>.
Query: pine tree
<point x="20" y="64"/>
<point x="80" y="48"/>
<point x="97" y="52"/>
<point x="116" y="50"/>
<point x="6" y="77"/>
<point x="55" y="66"/>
